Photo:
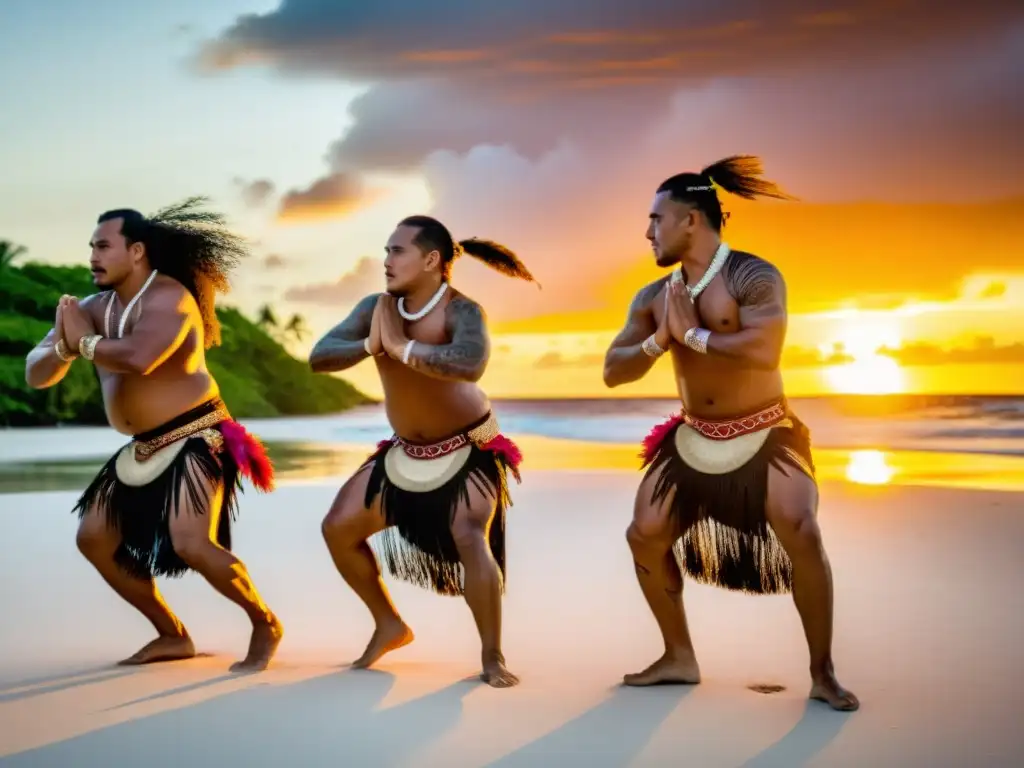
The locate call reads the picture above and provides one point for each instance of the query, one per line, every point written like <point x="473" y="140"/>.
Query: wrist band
<point x="61" y="350"/>
<point x="651" y="347"/>
<point x="697" y="339"/>
<point x="407" y="352"/>
<point x="88" y="345"/>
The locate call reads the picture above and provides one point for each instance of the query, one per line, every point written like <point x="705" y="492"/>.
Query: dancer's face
<point x="406" y="265"/>
<point x="112" y="259"/>
<point x="671" y="229"/>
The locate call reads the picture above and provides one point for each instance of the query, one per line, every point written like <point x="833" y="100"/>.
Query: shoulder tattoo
<point x="644" y="299"/>
<point x="465" y="318"/>
<point x="753" y="282"/>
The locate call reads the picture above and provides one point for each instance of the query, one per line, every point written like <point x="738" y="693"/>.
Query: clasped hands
<point x="387" y="331"/>
<point x="72" y="323"/>
<point x="680" y="315"/>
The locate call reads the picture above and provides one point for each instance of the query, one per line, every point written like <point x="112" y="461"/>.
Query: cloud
<point x="576" y="43"/>
<point x="547" y="125"/>
<point x="593" y="70"/>
<point x="333" y="196"/>
<point x="984" y="350"/>
<point x="365" y="278"/>
<point x="255" y="193"/>
<point x="274" y="261"/>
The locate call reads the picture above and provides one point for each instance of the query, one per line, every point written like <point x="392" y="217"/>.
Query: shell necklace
<point x="413" y="316"/>
<point x="127" y="310"/>
<point x="709" y="274"/>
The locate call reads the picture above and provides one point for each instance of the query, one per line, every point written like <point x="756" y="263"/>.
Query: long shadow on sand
<point x="814" y="731"/>
<point x="613" y="733"/>
<point x="328" y="720"/>
<point x="40" y="686"/>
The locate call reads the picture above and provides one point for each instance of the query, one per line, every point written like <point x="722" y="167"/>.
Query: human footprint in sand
<point x="163" y="504"/>
<point x="729" y="492"/>
<point x="437" y="489"/>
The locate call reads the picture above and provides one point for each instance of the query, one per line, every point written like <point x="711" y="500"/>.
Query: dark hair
<point x="434" y="235"/>
<point x="738" y="175"/>
<point x="192" y="245"/>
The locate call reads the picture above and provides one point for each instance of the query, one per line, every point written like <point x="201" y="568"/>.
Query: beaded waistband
<point x="479" y="435"/>
<point x="209" y="416"/>
<point x="726" y="429"/>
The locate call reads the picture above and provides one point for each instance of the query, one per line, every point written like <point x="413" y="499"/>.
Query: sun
<point x="869" y="468"/>
<point x="869" y="373"/>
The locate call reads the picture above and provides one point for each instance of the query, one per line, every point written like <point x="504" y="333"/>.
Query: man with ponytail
<point x="729" y="493"/>
<point x="437" y="489"/>
<point x="164" y="503"/>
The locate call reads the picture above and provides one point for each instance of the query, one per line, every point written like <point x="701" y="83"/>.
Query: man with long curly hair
<point x="163" y="504"/>
<point x="436" y="490"/>
<point x="729" y="495"/>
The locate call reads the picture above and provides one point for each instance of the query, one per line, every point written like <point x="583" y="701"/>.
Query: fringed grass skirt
<point x="719" y="472"/>
<point x="149" y="479"/>
<point x="422" y="486"/>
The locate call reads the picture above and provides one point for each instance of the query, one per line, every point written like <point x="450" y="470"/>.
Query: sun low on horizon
<point x="867" y="372"/>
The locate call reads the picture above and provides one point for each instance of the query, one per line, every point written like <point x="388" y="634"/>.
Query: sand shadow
<point x="175" y="691"/>
<point x="410" y="727"/>
<point x="613" y="733"/>
<point x="40" y="686"/>
<point x="326" y="720"/>
<point x="814" y="731"/>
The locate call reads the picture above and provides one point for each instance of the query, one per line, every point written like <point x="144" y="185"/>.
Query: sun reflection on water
<point x="869" y="468"/>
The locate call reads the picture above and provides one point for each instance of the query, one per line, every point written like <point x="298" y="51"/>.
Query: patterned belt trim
<point x="730" y="428"/>
<point x="478" y="436"/>
<point x="204" y="425"/>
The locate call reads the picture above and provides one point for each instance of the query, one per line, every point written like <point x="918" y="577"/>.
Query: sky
<point x="317" y="125"/>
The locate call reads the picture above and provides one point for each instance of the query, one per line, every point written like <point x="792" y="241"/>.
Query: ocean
<point x="66" y="458"/>
<point x="983" y="424"/>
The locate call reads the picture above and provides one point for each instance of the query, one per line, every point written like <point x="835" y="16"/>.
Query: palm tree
<point x="266" y="319"/>
<point x="9" y="252"/>
<point x="296" y="326"/>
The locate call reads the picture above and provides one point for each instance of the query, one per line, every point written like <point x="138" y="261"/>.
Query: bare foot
<point x="675" y="669"/>
<point x="266" y="636"/>
<point x="162" y="649"/>
<point x="386" y="638"/>
<point x="826" y="688"/>
<point x="496" y="674"/>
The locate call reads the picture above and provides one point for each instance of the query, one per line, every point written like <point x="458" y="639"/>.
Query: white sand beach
<point x="929" y="634"/>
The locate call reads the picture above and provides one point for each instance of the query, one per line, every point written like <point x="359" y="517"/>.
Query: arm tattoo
<point x="342" y="346"/>
<point x="465" y="356"/>
<point x="640" y="321"/>
<point x="756" y="285"/>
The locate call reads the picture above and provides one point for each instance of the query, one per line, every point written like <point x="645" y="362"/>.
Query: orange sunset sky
<point x="316" y="126"/>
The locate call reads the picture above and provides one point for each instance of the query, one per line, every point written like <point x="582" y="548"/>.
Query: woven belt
<point x="146" y="449"/>
<point x="479" y="436"/>
<point x="727" y="429"/>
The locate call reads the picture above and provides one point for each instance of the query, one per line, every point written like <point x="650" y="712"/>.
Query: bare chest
<point x="431" y="329"/>
<point x="716" y="308"/>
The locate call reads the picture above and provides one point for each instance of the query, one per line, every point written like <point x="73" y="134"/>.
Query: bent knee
<point x="645" y="533"/>
<point x="336" y="525"/>
<point x="799" y="524"/>
<point x="193" y="548"/>
<point x="94" y="539"/>
<point x="341" y="523"/>
<point x="348" y="520"/>
<point x="470" y="535"/>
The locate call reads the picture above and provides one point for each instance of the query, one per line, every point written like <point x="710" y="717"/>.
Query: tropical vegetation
<point x="257" y="375"/>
